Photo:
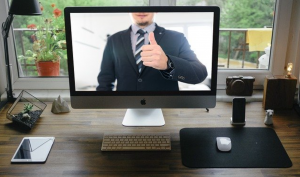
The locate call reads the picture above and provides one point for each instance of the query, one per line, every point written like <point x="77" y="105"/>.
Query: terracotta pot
<point x="48" y="68"/>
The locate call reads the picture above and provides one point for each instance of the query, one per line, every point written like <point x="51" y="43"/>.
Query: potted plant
<point x="48" y="43"/>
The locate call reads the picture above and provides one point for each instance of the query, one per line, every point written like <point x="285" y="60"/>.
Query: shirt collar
<point x="149" y="28"/>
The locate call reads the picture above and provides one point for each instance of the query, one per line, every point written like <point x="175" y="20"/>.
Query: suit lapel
<point x="126" y="40"/>
<point x="158" y="33"/>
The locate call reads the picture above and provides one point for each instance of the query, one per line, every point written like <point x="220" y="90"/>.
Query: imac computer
<point x="142" y="59"/>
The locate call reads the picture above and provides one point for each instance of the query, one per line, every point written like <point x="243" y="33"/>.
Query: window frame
<point x="3" y="8"/>
<point x="278" y="54"/>
<point x="281" y="26"/>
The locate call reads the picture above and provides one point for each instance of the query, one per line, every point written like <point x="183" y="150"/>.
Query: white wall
<point x="89" y="38"/>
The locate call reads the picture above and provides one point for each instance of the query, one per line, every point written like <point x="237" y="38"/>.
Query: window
<point x="280" y="31"/>
<point x="245" y="32"/>
<point x="30" y="32"/>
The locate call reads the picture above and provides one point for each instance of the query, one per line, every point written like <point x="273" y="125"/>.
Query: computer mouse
<point x="224" y="143"/>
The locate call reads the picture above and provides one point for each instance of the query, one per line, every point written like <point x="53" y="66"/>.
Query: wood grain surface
<point x="78" y="137"/>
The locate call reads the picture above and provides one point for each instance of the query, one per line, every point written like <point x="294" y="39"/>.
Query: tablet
<point x="33" y="150"/>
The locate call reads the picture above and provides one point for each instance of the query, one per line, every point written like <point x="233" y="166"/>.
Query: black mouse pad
<point x="251" y="148"/>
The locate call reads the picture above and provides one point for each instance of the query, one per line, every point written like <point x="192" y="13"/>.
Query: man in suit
<point x="163" y="60"/>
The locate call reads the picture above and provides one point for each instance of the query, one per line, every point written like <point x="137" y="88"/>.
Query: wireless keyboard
<point x="157" y="141"/>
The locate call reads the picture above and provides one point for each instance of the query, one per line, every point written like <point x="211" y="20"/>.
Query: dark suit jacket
<point x="119" y="64"/>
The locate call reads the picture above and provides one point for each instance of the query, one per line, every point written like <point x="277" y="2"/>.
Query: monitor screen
<point x="142" y="57"/>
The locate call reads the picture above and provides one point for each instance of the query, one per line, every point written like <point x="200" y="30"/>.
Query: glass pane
<point x="42" y="38"/>
<point x="245" y="31"/>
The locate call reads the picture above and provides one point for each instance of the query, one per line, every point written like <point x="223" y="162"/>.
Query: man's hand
<point x="153" y="55"/>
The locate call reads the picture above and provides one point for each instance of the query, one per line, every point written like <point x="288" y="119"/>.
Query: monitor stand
<point x="143" y="117"/>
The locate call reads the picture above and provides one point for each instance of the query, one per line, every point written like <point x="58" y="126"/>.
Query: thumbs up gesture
<point x="153" y="55"/>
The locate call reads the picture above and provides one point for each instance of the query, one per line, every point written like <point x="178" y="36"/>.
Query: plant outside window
<point x="48" y="43"/>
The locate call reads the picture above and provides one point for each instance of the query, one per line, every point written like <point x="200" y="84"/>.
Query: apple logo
<point x="143" y="102"/>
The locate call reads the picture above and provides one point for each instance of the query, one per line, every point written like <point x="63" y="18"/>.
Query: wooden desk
<point x="76" y="151"/>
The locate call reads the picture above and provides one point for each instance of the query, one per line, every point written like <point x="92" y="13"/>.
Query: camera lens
<point x="238" y="86"/>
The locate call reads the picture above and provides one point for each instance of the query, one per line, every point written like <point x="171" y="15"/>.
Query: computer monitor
<point x="179" y="60"/>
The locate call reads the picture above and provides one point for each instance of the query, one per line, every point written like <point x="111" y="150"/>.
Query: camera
<point x="239" y="85"/>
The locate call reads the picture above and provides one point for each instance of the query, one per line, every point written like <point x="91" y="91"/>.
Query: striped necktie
<point x="138" y="49"/>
